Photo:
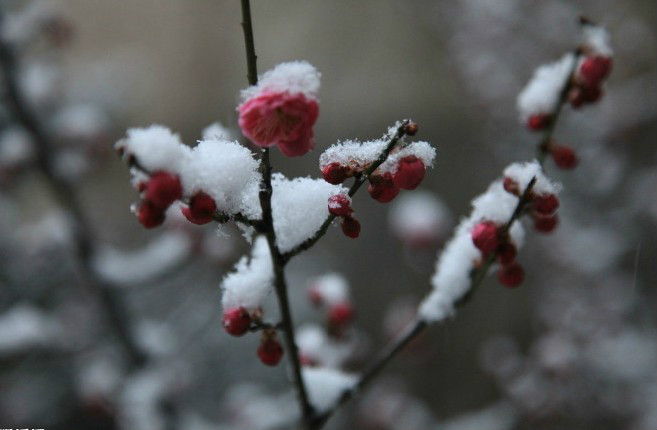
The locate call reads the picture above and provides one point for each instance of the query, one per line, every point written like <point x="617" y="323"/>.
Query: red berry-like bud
<point x="546" y="224"/>
<point x="304" y="360"/>
<point x="201" y="209"/>
<point x="564" y="157"/>
<point x="410" y="173"/>
<point x="506" y="253"/>
<point x="162" y="189"/>
<point x="511" y="186"/>
<point x="545" y="204"/>
<point x="485" y="237"/>
<point x="538" y="121"/>
<point x="150" y="215"/>
<point x="350" y="227"/>
<point x="382" y="188"/>
<point x="341" y="314"/>
<point x="411" y="129"/>
<point x="335" y="173"/>
<point x="594" y="69"/>
<point x="591" y="93"/>
<point x="236" y="321"/>
<point x="270" y="351"/>
<point x="340" y="205"/>
<point x="511" y="276"/>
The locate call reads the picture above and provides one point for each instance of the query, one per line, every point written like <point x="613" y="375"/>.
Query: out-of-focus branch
<point x="66" y="196"/>
<point x="418" y="325"/>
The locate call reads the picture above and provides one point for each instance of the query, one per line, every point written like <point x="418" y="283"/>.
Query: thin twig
<point x="359" y="181"/>
<point x="83" y="239"/>
<point x="267" y="227"/>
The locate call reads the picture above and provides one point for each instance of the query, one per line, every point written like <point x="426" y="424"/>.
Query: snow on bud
<point x="540" y="97"/>
<point x="409" y="173"/>
<point x="419" y="219"/>
<point x="335" y="173"/>
<point x="340" y="205"/>
<point x="162" y="189"/>
<point x="329" y="289"/>
<point x="252" y="281"/>
<point x="511" y="276"/>
<point x="201" y="209"/>
<point x="350" y="227"/>
<point x="236" y="321"/>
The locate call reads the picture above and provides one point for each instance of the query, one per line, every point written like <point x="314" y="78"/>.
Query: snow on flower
<point x="541" y="94"/>
<point x="252" y="280"/>
<point x="299" y="208"/>
<point x="282" y="108"/>
<point x="326" y="385"/>
<point x="598" y="39"/>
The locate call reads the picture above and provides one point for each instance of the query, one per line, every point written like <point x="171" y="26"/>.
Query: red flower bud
<point x="538" y="121"/>
<point x="382" y="188"/>
<point x="341" y="314"/>
<point x="511" y="276"/>
<point x="545" y="204"/>
<point x="564" y="157"/>
<point x="546" y="224"/>
<point x="335" y="173"/>
<point x="162" y="189"/>
<point x="201" y="209"/>
<point x="236" y="321"/>
<point x="410" y="173"/>
<point x="340" y="205"/>
<point x="350" y="227"/>
<point x="270" y="351"/>
<point x="595" y="69"/>
<point x="150" y="215"/>
<point x="506" y="253"/>
<point x="485" y="237"/>
<point x="511" y="186"/>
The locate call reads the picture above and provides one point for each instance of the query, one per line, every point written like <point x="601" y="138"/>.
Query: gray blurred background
<point x="455" y="67"/>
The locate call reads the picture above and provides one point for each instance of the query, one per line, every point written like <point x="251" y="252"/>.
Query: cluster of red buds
<point x="339" y="314"/>
<point x="384" y="186"/>
<point x="339" y="205"/>
<point x="491" y="239"/>
<point x="543" y="207"/>
<point x="238" y="321"/>
<point x="589" y="77"/>
<point x="201" y="209"/>
<point x="157" y="194"/>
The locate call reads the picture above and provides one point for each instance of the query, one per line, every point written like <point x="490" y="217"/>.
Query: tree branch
<point x="418" y="325"/>
<point x="267" y="227"/>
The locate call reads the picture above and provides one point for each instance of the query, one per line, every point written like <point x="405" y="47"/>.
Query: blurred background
<point x="574" y="347"/>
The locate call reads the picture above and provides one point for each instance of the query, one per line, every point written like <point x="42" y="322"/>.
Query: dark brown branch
<point x="359" y="181"/>
<point x="64" y="193"/>
<point x="267" y="227"/>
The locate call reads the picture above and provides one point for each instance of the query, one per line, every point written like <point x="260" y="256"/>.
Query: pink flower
<point x="282" y="119"/>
